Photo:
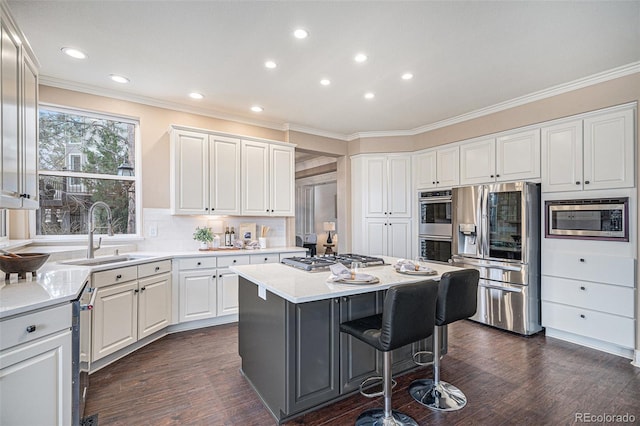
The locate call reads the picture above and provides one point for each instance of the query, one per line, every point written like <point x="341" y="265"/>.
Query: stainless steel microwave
<point x="595" y="219"/>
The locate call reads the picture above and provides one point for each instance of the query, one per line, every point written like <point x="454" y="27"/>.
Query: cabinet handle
<point x="582" y="316"/>
<point x="136" y="291"/>
<point x="143" y="289"/>
<point x="31" y="329"/>
<point x="582" y="287"/>
<point x="336" y="300"/>
<point x="157" y="268"/>
<point x="586" y="182"/>
<point x="345" y="299"/>
<point x="577" y="182"/>
<point x="582" y="260"/>
<point x="119" y="276"/>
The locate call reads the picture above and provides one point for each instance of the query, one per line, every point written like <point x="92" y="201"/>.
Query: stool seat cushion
<point x="457" y="296"/>
<point x="408" y="316"/>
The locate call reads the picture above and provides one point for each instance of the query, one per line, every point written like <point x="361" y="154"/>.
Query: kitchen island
<point x="292" y="351"/>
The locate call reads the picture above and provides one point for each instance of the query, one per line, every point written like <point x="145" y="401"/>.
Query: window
<point x="85" y="158"/>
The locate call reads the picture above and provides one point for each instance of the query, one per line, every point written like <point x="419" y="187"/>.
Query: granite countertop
<point x="299" y="286"/>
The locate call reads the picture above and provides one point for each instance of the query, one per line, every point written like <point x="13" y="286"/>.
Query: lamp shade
<point x="329" y="226"/>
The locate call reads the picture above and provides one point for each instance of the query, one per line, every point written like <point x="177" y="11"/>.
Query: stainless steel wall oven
<point x="434" y="229"/>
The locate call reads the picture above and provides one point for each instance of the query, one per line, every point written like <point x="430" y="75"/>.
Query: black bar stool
<point x="408" y="315"/>
<point x="457" y="299"/>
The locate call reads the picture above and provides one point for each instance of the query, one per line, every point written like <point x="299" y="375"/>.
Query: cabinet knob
<point x="213" y="208"/>
<point x="345" y="299"/>
<point x="267" y="210"/>
<point x="336" y="300"/>
<point x="577" y="182"/>
<point x="581" y="260"/>
<point x="219" y="276"/>
<point x="271" y="210"/>
<point x="583" y="288"/>
<point x="497" y="175"/>
<point x="434" y="182"/>
<point x="136" y="291"/>
<point x="199" y="263"/>
<point x="582" y="316"/>
<point x="31" y="329"/>
<point x="119" y="276"/>
<point x="206" y="208"/>
<point x="390" y="213"/>
<point x="234" y="260"/>
<point x="265" y="259"/>
<point x="143" y="289"/>
<point x="437" y="181"/>
<point x="586" y="182"/>
<point x="490" y="176"/>
<point x="157" y="268"/>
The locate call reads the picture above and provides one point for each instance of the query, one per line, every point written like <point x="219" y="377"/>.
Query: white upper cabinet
<point x="506" y="158"/>
<point x="189" y="172"/>
<point x="268" y="179"/>
<point x="386" y="186"/>
<point x="18" y="121"/>
<point x="224" y="175"/>
<point x="437" y="168"/>
<point x="589" y="154"/>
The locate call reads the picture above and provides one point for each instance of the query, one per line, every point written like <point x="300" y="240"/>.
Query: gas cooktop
<point x="324" y="262"/>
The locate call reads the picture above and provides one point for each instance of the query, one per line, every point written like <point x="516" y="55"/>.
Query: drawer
<point x="48" y="321"/>
<point x="596" y="325"/>
<point x="153" y="268"/>
<point x="584" y="294"/>
<point x="197" y="263"/>
<point x="224" y="261"/>
<point x="114" y="276"/>
<point x="265" y="258"/>
<point x="302" y="253"/>
<point x="590" y="267"/>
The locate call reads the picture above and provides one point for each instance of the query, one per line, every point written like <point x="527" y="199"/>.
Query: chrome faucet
<point x="91" y="248"/>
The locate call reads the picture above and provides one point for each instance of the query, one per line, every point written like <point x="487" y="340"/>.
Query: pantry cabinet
<point x="385" y="186"/>
<point x="36" y="369"/>
<point x="388" y="237"/>
<point x="205" y="172"/>
<point x="594" y="153"/>
<point x="18" y="120"/>
<point x="268" y="179"/>
<point x="437" y="168"/>
<point x="509" y="157"/>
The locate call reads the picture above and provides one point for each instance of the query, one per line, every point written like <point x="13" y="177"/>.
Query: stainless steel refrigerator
<point x="496" y="229"/>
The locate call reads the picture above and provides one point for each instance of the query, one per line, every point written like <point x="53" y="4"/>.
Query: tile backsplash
<point x="175" y="233"/>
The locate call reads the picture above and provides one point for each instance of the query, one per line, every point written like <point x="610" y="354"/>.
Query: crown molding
<point x="602" y="77"/>
<point x="98" y="91"/>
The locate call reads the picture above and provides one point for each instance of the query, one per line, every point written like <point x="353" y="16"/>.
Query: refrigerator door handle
<point x="497" y="287"/>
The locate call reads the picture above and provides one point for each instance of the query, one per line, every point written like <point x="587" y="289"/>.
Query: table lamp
<point x="329" y="226"/>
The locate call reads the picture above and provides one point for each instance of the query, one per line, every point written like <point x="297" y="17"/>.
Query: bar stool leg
<point x="435" y="394"/>
<point x="386" y="417"/>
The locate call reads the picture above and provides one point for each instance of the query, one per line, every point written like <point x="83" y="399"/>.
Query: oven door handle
<point x="434" y="237"/>
<point x="434" y="200"/>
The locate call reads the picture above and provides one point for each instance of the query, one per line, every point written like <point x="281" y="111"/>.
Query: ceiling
<point x="465" y="56"/>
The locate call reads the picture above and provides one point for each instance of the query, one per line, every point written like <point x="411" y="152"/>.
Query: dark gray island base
<point x="295" y="357"/>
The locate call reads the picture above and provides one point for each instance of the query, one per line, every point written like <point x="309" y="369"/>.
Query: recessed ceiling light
<point x="74" y="53"/>
<point x="369" y="95"/>
<point x="407" y="76"/>
<point x="301" y="33"/>
<point x="360" y="57"/>
<point x="119" y="78"/>
<point x="325" y="82"/>
<point x="196" y="95"/>
<point x="270" y="64"/>
<point x="257" y="108"/>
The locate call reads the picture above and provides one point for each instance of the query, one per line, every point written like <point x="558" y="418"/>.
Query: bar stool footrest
<point x="440" y="396"/>
<point x="419" y="354"/>
<point x="368" y="381"/>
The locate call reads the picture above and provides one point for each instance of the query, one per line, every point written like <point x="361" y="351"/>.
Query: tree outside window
<point x="79" y="158"/>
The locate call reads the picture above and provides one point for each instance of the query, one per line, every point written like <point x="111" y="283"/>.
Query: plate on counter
<point x="424" y="272"/>
<point x="373" y="280"/>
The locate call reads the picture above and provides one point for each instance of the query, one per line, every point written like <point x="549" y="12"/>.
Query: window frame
<point x="137" y="179"/>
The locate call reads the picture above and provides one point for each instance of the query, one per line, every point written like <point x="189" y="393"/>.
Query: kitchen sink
<point x="104" y="260"/>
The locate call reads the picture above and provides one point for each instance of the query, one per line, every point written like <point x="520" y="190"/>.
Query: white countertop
<point x="58" y="283"/>
<point x="54" y="284"/>
<point x="299" y="286"/>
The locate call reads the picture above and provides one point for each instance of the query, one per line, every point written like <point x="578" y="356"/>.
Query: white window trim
<point x="138" y="236"/>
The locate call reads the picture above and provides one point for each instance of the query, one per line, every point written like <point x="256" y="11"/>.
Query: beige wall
<point x="154" y="137"/>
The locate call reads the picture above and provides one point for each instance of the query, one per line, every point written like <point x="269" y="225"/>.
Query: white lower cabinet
<point x="35" y="368"/>
<point x="125" y="312"/>
<point x="589" y="298"/>
<point x="227" y="292"/>
<point x="197" y="295"/>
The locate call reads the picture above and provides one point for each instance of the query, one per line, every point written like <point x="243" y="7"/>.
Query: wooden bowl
<point x="26" y="262"/>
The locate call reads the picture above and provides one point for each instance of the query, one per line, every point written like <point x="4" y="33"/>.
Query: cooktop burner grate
<point x="324" y="262"/>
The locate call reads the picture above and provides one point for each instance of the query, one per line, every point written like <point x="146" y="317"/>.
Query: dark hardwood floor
<point x="193" y="378"/>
